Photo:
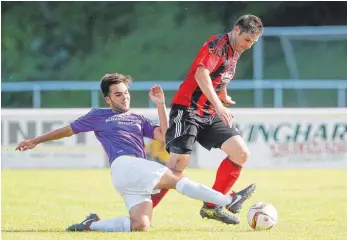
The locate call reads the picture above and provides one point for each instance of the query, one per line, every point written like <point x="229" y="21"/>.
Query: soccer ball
<point x="262" y="216"/>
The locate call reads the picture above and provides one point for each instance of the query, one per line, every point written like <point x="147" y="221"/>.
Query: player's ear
<point x="237" y="30"/>
<point x="108" y="100"/>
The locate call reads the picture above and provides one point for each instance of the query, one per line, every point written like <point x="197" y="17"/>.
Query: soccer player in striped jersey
<point x="199" y="113"/>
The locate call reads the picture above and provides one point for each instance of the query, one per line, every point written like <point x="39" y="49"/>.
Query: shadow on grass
<point x="32" y="230"/>
<point x="171" y="229"/>
<point x="203" y="229"/>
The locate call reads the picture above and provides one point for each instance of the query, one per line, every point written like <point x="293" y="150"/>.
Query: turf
<point x="40" y="204"/>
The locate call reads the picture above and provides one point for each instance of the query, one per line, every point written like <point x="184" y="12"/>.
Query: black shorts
<point x="185" y="128"/>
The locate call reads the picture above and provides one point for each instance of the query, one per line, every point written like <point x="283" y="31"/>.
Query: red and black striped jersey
<point x="217" y="56"/>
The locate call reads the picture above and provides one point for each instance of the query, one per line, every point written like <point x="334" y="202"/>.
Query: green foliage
<point x="158" y="55"/>
<point x="153" y="41"/>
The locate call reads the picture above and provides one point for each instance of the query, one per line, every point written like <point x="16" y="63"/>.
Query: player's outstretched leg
<point x="84" y="225"/>
<point x="239" y="198"/>
<point x="198" y="191"/>
<point x="93" y="223"/>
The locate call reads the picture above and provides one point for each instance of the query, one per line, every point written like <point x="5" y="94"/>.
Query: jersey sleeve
<point x="148" y="127"/>
<point x="85" y="123"/>
<point x="210" y="55"/>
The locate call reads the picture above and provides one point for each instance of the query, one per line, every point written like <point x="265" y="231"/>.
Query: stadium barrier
<point x="277" y="138"/>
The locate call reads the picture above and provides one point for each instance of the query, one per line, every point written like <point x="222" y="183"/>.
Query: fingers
<point x="226" y="104"/>
<point x="156" y="89"/>
<point x="20" y="149"/>
<point x="227" y="121"/>
<point x="230" y="102"/>
<point x="26" y="148"/>
<point x="227" y="118"/>
<point x="20" y="146"/>
<point x="23" y="146"/>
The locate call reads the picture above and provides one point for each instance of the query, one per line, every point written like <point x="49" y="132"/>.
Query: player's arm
<point x="157" y="96"/>
<point x="225" y="98"/>
<point x="204" y="81"/>
<point x="202" y="76"/>
<point x="85" y="123"/>
<point x="159" y="132"/>
<point x="50" y="136"/>
<point x="208" y="59"/>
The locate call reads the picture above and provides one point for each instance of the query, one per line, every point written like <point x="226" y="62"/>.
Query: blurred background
<point x="290" y="89"/>
<point x="54" y="54"/>
<point x="65" y="42"/>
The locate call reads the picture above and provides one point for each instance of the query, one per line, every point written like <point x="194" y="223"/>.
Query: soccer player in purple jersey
<point x="121" y="134"/>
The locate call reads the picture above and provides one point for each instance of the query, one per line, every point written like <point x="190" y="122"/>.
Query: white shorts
<point x="135" y="178"/>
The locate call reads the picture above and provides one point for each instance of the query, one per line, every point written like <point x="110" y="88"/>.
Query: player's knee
<point x="244" y="156"/>
<point x="140" y="225"/>
<point x="241" y="158"/>
<point x="169" y="180"/>
<point x="176" y="176"/>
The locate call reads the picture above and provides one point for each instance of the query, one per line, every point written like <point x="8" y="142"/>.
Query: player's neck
<point x="232" y="41"/>
<point x="118" y="111"/>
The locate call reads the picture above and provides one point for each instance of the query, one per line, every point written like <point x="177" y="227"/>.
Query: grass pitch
<point x="40" y="204"/>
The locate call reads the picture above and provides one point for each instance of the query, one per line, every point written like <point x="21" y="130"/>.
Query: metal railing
<point x="93" y="86"/>
<point x="285" y="34"/>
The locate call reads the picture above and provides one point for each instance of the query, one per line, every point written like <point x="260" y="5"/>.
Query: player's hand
<point x="157" y="95"/>
<point x="226" y="100"/>
<point x="25" y="145"/>
<point x="225" y="115"/>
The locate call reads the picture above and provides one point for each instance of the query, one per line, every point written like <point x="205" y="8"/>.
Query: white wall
<point x="289" y="138"/>
<point x="277" y="138"/>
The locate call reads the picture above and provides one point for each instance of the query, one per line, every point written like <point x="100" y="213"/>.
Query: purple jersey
<point x="119" y="133"/>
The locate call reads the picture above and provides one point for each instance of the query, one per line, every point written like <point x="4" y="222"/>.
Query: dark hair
<point x="250" y="24"/>
<point x="112" y="78"/>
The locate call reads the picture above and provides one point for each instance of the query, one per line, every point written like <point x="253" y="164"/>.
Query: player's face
<point x="245" y="40"/>
<point x="119" y="97"/>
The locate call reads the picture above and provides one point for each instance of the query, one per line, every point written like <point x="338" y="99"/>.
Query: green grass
<point x="40" y="204"/>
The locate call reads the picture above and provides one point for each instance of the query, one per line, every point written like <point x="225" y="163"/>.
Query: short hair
<point x="250" y="24"/>
<point x="113" y="78"/>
